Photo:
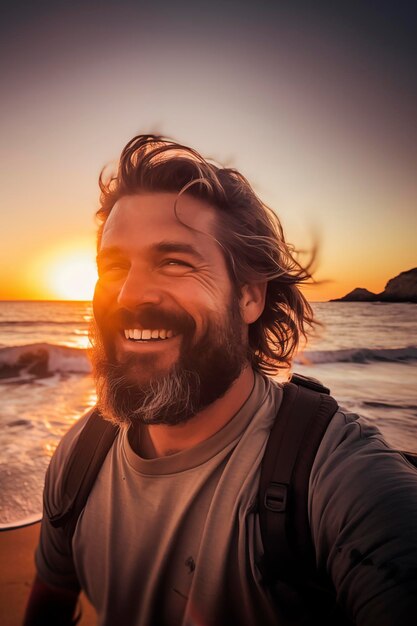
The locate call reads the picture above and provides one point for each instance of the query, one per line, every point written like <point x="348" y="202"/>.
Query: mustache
<point x="152" y="317"/>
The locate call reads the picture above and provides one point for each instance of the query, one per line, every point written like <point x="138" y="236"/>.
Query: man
<point x="197" y="301"/>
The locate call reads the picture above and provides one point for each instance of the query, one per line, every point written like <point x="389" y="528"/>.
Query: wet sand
<point x="17" y="570"/>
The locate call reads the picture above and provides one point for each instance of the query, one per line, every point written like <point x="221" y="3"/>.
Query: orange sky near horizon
<point x="316" y="108"/>
<point x="69" y="273"/>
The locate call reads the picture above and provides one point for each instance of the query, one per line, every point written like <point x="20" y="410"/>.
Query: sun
<point x="66" y="271"/>
<point x="73" y="275"/>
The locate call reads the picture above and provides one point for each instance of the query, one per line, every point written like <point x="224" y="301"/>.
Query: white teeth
<point x="143" y="335"/>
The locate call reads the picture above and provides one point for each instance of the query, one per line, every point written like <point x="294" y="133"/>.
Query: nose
<point x="138" y="289"/>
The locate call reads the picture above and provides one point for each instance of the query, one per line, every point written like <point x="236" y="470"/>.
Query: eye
<point x="177" y="262"/>
<point x="176" y="266"/>
<point x="112" y="269"/>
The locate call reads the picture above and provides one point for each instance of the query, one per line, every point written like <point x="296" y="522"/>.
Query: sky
<point x="315" y="103"/>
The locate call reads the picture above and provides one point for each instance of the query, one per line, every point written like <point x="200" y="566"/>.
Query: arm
<point x="56" y="588"/>
<point x="49" y="606"/>
<point x="363" y="514"/>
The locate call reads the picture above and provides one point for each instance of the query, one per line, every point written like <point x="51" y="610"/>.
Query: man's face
<point x="167" y="319"/>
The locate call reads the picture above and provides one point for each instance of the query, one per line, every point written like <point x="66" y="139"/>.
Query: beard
<point x="204" y="371"/>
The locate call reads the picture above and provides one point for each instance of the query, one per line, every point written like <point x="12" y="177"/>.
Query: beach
<point x="365" y="353"/>
<point x="17" y="571"/>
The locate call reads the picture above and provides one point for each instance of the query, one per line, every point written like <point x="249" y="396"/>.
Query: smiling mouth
<point x="147" y="334"/>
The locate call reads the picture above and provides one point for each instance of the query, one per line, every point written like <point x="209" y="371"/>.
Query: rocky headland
<point x="401" y="288"/>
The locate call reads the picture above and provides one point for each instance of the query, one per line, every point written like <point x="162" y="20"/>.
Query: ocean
<point x="366" y="353"/>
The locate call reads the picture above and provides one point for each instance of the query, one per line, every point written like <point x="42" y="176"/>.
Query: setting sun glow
<point x="73" y="276"/>
<point x="66" y="271"/>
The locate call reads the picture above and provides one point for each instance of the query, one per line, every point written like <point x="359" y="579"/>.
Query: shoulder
<point x="70" y="438"/>
<point x="268" y="391"/>
<point x="60" y="458"/>
<point x="353" y="441"/>
<point x="355" y="457"/>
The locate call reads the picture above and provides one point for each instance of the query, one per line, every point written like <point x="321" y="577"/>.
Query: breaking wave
<point x="40" y="322"/>
<point x="357" y="355"/>
<point x="41" y="360"/>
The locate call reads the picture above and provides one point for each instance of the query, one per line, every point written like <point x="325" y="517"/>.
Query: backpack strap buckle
<point x="276" y="497"/>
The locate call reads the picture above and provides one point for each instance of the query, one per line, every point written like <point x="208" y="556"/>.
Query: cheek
<point x="210" y="296"/>
<point x="101" y="300"/>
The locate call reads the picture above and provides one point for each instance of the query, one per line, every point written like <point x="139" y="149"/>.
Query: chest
<point x="153" y="548"/>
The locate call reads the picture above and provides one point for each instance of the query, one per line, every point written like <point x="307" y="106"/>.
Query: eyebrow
<point x="178" y="247"/>
<point x="110" y="251"/>
<point x="163" y="247"/>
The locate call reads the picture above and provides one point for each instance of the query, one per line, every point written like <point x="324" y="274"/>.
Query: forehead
<point x="144" y="218"/>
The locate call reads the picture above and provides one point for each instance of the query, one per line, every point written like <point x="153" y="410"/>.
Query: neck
<point x="158" y="440"/>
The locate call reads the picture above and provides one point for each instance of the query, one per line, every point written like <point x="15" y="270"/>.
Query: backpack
<point x="289" y="560"/>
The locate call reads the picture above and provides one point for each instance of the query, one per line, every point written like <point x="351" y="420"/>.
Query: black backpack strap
<point x="80" y="472"/>
<point x="302" y="419"/>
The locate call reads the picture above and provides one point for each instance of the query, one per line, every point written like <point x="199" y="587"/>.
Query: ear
<point x="252" y="301"/>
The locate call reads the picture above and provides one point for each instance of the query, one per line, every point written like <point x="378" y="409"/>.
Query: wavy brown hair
<point x="249" y="233"/>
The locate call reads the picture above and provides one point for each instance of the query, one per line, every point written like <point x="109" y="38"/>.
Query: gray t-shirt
<point x="176" y="540"/>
